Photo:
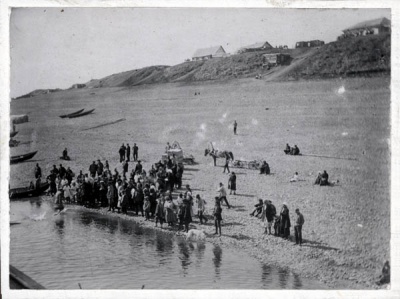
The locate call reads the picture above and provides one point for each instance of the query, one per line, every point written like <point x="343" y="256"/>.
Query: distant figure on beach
<point x="222" y="194"/>
<point x="111" y="194"/>
<point x="298" y="226"/>
<point x="226" y="166"/>
<point x="100" y="168"/>
<point x="287" y="149"/>
<point x="217" y="213"/>
<point x="125" y="166"/>
<point x="324" y="179"/>
<point x="234" y="127"/>
<point x="128" y="152"/>
<point x="121" y="153"/>
<point x="138" y="167"/>
<point x="295" y="178"/>
<point x="65" y="155"/>
<point x="295" y="151"/>
<point x="232" y="183"/>
<point x="167" y="147"/>
<point x="38" y="171"/>
<point x="135" y="150"/>
<point x="264" y="169"/>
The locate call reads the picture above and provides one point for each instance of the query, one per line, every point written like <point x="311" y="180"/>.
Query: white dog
<point x="195" y="235"/>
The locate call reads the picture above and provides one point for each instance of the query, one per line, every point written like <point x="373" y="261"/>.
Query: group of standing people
<point x="125" y="152"/>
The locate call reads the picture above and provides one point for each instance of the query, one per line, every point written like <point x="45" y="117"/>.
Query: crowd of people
<point x="148" y="195"/>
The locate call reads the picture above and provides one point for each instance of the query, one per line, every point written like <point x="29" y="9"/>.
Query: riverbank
<point x="347" y="227"/>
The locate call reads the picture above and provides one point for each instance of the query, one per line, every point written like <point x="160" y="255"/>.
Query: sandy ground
<point x="347" y="228"/>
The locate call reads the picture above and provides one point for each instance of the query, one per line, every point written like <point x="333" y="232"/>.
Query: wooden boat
<point x="26" y="192"/>
<point x="19" y="280"/>
<point x="81" y="114"/>
<point x="12" y="134"/>
<point x="70" y="114"/>
<point x="20" y="158"/>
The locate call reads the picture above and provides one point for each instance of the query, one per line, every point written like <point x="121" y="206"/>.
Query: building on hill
<point x="256" y="47"/>
<point x="208" y="53"/>
<point x="375" y="26"/>
<point x="310" y="44"/>
<point x="275" y="59"/>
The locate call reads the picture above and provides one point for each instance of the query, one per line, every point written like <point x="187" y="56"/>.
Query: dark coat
<point x="232" y="182"/>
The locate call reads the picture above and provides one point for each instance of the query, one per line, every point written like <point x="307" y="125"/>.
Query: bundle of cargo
<point x="175" y="152"/>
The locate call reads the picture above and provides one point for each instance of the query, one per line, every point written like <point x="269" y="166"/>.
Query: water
<point x="102" y="252"/>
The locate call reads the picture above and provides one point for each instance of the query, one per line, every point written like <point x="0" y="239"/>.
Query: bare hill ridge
<point x="360" y="56"/>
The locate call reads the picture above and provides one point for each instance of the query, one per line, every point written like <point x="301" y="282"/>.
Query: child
<point x="160" y="211"/>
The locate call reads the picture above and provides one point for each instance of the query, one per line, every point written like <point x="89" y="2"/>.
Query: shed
<point x="276" y="59"/>
<point x="256" y="47"/>
<point x="208" y="53"/>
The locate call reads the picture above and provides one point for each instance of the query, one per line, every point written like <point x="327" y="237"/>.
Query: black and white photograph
<point x="198" y="148"/>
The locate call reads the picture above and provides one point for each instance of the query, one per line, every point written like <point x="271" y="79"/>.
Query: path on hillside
<point x="281" y="71"/>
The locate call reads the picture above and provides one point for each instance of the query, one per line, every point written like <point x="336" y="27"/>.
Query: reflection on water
<point x="102" y="252"/>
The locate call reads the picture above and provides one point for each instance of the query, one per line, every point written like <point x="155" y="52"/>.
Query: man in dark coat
<point x="100" y="168"/>
<point x="62" y="171"/>
<point x="232" y="183"/>
<point x="128" y="152"/>
<point x="121" y="153"/>
<point x="125" y="167"/>
<point x="139" y="167"/>
<point x="265" y="168"/>
<point x="285" y="222"/>
<point x="135" y="152"/>
<point x="93" y="169"/>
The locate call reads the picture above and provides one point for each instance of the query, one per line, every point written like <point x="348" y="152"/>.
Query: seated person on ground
<point x="264" y="168"/>
<point x="295" y="151"/>
<point x="318" y="179"/>
<point x="295" y="178"/>
<point x="258" y="208"/>
<point x="287" y="149"/>
<point x="324" y="179"/>
<point x="65" y="155"/>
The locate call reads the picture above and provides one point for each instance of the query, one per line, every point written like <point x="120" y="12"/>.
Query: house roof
<point x="207" y="51"/>
<point x="258" y="45"/>
<point x="370" y="23"/>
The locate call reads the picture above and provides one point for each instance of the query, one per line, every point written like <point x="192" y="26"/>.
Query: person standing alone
<point x="121" y="153"/>
<point x="234" y="127"/>
<point x="135" y="152"/>
<point x="226" y="166"/>
<point x="298" y="226"/>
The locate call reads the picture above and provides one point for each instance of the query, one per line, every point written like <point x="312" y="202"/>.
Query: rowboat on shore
<point x="20" y="158"/>
<point x="27" y="192"/>
<point x="81" y="114"/>
<point x="12" y="134"/>
<point x="71" y="114"/>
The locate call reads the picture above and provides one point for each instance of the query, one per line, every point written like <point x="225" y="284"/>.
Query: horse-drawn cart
<point x="255" y="164"/>
<point x="176" y="153"/>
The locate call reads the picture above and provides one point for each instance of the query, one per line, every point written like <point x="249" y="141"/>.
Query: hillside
<point x="360" y="56"/>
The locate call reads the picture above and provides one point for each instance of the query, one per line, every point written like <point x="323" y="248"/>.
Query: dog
<point x="195" y="235"/>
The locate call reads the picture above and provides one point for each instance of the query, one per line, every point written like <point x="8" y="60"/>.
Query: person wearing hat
<point x="298" y="226"/>
<point x="217" y="216"/>
<point x="284" y="221"/>
<point x="222" y="194"/>
<point x="135" y="150"/>
<point x="232" y="183"/>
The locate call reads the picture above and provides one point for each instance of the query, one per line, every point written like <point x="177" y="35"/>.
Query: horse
<point x="218" y="154"/>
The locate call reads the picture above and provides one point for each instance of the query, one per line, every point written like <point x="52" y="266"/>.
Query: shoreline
<point x="243" y="243"/>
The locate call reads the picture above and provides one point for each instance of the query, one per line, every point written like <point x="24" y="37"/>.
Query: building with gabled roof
<point x="208" y="53"/>
<point x="256" y="47"/>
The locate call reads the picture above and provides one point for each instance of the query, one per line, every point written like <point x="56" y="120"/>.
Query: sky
<point x="56" y="48"/>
